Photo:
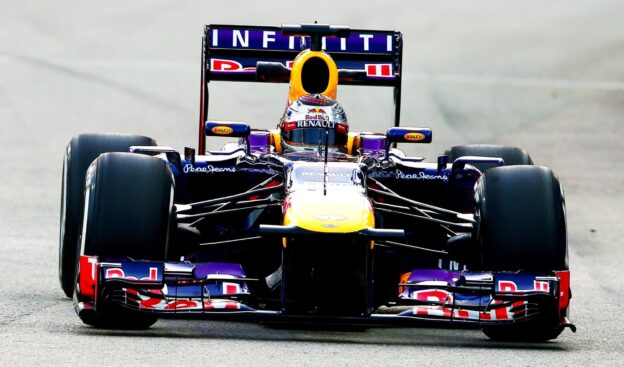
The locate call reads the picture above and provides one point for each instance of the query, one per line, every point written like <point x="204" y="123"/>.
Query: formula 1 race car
<point x="311" y="222"/>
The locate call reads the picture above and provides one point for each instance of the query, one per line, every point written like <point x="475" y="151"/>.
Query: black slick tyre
<point x="128" y="214"/>
<point x="522" y="228"/>
<point x="79" y="154"/>
<point x="521" y="220"/>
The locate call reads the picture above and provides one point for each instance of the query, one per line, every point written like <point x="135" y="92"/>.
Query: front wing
<point x="220" y="290"/>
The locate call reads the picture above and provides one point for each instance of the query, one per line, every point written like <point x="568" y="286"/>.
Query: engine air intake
<point x="315" y="75"/>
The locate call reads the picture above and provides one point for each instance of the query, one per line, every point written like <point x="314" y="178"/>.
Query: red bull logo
<point x="316" y="114"/>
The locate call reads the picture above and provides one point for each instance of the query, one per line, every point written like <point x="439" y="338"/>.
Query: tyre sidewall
<point x="79" y="154"/>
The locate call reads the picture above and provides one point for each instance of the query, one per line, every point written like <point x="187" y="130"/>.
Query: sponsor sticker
<point x="222" y="130"/>
<point x="227" y="66"/>
<point x="273" y="39"/>
<point x="507" y="286"/>
<point x="131" y="274"/>
<point x="316" y="123"/>
<point x="400" y="175"/>
<point x="379" y="70"/>
<point x="414" y="136"/>
<point x="207" y="169"/>
<point x="317" y="114"/>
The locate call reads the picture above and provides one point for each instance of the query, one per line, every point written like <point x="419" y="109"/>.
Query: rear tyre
<point x="522" y="227"/>
<point x="80" y="152"/>
<point x="511" y="155"/>
<point x="128" y="214"/>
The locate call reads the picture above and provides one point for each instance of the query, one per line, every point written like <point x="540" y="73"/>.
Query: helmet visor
<point x="314" y="136"/>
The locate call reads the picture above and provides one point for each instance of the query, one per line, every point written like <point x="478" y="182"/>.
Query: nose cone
<point x="343" y="212"/>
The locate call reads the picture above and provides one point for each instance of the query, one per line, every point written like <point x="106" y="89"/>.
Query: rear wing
<point x="231" y="53"/>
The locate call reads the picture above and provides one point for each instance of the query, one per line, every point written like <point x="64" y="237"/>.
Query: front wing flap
<point x="212" y="290"/>
<point x="485" y="298"/>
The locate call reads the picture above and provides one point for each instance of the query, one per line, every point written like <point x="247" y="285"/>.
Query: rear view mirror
<point x="227" y="129"/>
<point x="409" y="135"/>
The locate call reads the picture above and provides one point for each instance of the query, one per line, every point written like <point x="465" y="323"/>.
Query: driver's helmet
<point x="309" y="119"/>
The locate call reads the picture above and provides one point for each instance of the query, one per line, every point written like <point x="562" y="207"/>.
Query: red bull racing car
<point x="311" y="221"/>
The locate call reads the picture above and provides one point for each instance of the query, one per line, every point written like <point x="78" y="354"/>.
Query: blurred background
<point x="472" y="72"/>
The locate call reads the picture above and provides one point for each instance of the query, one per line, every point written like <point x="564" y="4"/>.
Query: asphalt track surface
<point x="546" y="76"/>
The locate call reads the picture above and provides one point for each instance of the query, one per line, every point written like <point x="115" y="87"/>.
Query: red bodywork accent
<point x="270" y="184"/>
<point x="290" y="125"/>
<point x="541" y="286"/>
<point x="564" y="289"/>
<point x="378" y="70"/>
<point x="501" y="313"/>
<point x="150" y="302"/>
<point x="231" y="289"/>
<point x="89" y="274"/>
<point x="463" y="314"/>
<point x="342" y="128"/>
<point x="114" y="273"/>
<point x="433" y="295"/>
<point x="517" y="308"/>
<point x="182" y="304"/>
<point x="225" y="65"/>
<point x="507" y="286"/>
<point x="286" y="205"/>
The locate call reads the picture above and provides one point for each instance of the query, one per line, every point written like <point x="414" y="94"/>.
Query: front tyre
<point x="535" y="332"/>
<point x="521" y="220"/>
<point x="79" y="154"/>
<point x="522" y="228"/>
<point x="128" y="214"/>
